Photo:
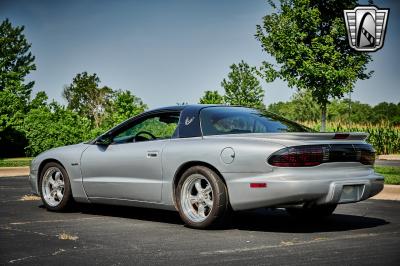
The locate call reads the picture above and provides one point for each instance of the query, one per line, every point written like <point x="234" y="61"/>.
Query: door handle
<point x="152" y="154"/>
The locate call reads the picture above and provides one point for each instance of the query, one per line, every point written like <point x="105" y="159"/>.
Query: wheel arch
<point x="42" y="164"/>
<point x="187" y="165"/>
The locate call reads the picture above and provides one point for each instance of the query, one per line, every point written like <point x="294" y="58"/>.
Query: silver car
<point x="207" y="160"/>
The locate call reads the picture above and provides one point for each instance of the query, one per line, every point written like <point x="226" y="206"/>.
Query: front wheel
<point x="314" y="211"/>
<point x="55" y="188"/>
<point x="202" y="198"/>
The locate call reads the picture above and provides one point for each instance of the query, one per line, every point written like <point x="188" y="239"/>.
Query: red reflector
<point x="341" y="136"/>
<point x="258" y="185"/>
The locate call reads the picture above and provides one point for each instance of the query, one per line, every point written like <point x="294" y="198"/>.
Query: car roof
<point x="179" y="108"/>
<point x="187" y="110"/>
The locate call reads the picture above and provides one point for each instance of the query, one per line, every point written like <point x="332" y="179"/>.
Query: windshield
<point x="237" y="120"/>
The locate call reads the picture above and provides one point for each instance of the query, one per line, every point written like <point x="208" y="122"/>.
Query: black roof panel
<point x="182" y="107"/>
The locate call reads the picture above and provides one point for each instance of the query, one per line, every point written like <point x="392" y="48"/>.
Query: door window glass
<point x="160" y="126"/>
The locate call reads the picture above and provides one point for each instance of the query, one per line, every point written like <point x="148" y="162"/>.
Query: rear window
<point x="239" y="120"/>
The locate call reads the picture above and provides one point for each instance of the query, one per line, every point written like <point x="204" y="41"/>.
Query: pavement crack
<point x="290" y="243"/>
<point x="55" y="253"/>
<point x="53" y="221"/>
<point x="23" y="231"/>
<point x="59" y="251"/>
<point x="20" y="259"/>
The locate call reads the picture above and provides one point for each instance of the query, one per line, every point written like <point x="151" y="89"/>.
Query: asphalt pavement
<point x="366" y="233"/>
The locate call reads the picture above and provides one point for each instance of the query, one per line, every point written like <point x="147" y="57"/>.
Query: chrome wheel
<point x="196" y="198"/>
<point x="53" y="186"/>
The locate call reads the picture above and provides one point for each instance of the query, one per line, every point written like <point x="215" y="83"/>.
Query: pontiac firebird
<point x="207" y="160"/>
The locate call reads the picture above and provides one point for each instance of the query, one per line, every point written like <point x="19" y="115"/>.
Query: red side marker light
<point x="258" y="185"/>
<point x="341" y="136"/>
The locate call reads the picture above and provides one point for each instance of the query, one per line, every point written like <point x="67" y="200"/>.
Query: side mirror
<point x="104" y="140"/>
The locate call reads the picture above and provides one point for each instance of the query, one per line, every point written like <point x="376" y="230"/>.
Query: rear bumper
<point x="286" y="191"/>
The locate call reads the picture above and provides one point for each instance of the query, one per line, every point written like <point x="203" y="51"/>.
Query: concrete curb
<point x="14" y="171"/>
<point x="389" y="192"/>
<point x="389" y="157"/>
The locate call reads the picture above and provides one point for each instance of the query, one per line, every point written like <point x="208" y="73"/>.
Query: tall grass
<point x="384" y="137"/>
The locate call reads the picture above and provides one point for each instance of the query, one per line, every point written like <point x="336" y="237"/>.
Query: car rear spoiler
<point x="319" y="136"/>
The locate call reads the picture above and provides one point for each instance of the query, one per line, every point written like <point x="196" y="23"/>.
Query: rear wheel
<point x="202" y="198"/>
<point x="313" y="211"/>
<point x="55" y="188"/>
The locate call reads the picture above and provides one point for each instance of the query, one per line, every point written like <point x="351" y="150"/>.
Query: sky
<point x="170" y="51"/>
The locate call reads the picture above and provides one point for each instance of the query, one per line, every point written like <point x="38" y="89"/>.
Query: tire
<point x="206" y="208"/>
<point x="314" y="211"/>
<point x="55" y="188"/>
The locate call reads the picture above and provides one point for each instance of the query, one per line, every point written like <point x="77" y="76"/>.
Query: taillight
<point x="300" y="156"/>
<point x="313" y="155"/>
<point x="366" y="154"/>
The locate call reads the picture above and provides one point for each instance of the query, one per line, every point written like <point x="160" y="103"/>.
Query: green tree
<point x="299" y="108"/>
<point x="53" y="125"/>
<point x="386" y="111"/>
<point x="242" y="87"/>
<point x="303" y="107"/>
<point x="339" y="110"/>
<point x="123" y="105"/>
<point x="356" y="112"/>
<point x="12" y="110"/>
<point x="308" y="40"/>
<point x="211" y="97"/>
<point x="85" y="97"/>
<point x="40" y="100"/>
<point x="16" y="62"/>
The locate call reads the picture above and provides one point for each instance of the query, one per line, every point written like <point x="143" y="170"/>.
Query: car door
<point x="130" y="168"/>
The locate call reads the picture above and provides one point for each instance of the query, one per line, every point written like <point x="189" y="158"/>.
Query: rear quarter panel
<point x="250" y="157"/>
<point x="250" y="165"/>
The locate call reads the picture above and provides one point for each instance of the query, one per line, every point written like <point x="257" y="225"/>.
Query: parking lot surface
<point x="366" y="233"/>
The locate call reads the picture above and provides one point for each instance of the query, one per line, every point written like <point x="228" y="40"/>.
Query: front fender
<point x="69" y="157"/>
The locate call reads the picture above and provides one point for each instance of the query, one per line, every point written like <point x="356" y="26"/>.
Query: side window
<point x="160" y="126"/>
<point x="231" y="124"/>
<point x="238" y="120"/>
<point x="260" y="127"/>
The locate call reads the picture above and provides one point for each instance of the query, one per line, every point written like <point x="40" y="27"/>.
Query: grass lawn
<point x="14" y="162"/>
<point x="391" y="174"/>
